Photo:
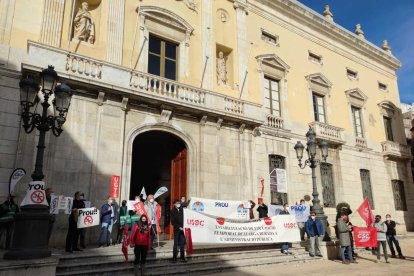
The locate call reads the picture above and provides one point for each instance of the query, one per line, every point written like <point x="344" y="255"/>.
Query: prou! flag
<point x="125" y="242"/>
<point x="365" y="212"/>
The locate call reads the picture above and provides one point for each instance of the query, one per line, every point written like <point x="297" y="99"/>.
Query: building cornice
<point x="308" y="17"/>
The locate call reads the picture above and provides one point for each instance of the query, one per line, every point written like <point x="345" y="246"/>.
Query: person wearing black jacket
<point x="73" y="232"/>
<point x="392" y="237"/>
<point x="262" y="209"/>
<point x="177" y="221"/>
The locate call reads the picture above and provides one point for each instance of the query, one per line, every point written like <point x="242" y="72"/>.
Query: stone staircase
<point x="204" y="260"/>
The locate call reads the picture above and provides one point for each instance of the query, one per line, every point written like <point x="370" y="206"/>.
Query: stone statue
<point x="221" y="69"/>
<point x="84" y="28"/>
<point x="359" y="31"/>
<point x="327" y="13"/>
<point x="385" y="46"/>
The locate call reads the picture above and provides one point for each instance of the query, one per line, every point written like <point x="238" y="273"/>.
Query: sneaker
<point x="401" y="257"/>
<point x="312" y="255"/>
<point x="285" y="252"/>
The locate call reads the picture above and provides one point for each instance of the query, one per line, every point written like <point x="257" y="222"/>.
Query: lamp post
<point x="312" y="162"/>
<point x="30" y="238"/>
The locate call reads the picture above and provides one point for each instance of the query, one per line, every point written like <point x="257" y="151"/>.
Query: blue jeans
<point x="349" y="252"/>
<point x="106" y="227"/>
<point x="285" y="247"/>
<point x="392" y="239"/>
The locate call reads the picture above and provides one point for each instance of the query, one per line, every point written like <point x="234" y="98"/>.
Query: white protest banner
<point x="88" y="217"/>
<point x="68" y="203"/>
<point x="130" y="204"/>
<point x="224" y="208"/>
<point x="301" y="212"/>
<point x="143" y="193"/>
<point x="54" y="204"/>
<point x="35" y="194"/>
<point x="281" y="178"/>
<point x="160" y="191"/>
<point x="15" y="177"/>
<point x="209" y="229"/>
<point x="274" y="210"/>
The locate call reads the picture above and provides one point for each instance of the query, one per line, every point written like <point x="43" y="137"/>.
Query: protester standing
<point x="381" y="238"/>
<point x="285" y="245"/>
<point x="73" y="232"/>
<point x="82" y="231"/>
<point x="141" y="242"/>
<point x="315" y="231"/>
<point x="392" y="237"/>
<point x="262" y="209"/>
<point x="177" y="221"/>
<point x="301" y="225"/>
<point x="107" y="220"/>
<point x="124" y="218"/>
<point x="252" y="204"/>
<point x="151" y="209"/>
<point x="344" y="238"/>
<point x="7" y="211"/>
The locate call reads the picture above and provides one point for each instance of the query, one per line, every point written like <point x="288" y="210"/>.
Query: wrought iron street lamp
<point x="30" y="239"/>
<point x="312" y="162"/>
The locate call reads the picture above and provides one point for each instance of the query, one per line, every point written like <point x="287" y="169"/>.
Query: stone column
<point x="52" y="22"/>
<point x="6" y="18"/>
<point x="242" y="45"/>
<point x="207" y="49"/>
<point x="115" y="31"/>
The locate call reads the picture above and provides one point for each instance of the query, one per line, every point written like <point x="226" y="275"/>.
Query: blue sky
<point x="380" y="19"/>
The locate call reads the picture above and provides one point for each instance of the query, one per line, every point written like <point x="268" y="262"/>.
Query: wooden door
<point x="178" y="181"/>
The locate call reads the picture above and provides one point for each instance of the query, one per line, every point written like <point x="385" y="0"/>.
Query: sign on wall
<point x="115" y="184"/>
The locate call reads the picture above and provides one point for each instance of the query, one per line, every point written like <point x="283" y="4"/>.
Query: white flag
<point x="160" y="191"/>
<point x="15" y="177"/>
<point x="143" y="193"/>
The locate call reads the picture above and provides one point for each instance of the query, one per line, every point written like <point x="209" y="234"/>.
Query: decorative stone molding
<point x="203" y="120"/>
<point x="273" y="65"/>
<point x="386" y="47"/>
<point x="165" y="115"/>
<point x="101" y="96"/>
<point x="219" y="123"/>
<point x="191" y="4"/>
<point x="237" y="5"/>
<point x="242" y="128"/>
<point x="356" y="97"/>
<point x="115" y="35"/>
<point x="327" y="13"/>
<point x="124" y="103"/>
<point x="319" y="83"/>
<point x="256" y="132"/>
<point x="388" y="109"/>
<point x="52" y="22"/>
<point x="83" y="66"/>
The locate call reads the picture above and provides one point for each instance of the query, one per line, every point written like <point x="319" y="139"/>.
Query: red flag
<point x="125" y="242"/>
<point x="158" y="216"/>
<point x="188" y="241"/>
<point x="366" y="213"/>
<point x="365" y="237"/>
<point x="262" y="182"/>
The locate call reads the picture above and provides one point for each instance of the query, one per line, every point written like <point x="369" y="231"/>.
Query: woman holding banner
<point x="141" y="242"/>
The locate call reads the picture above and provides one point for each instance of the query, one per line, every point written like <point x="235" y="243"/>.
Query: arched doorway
<point x="159" y="159"/>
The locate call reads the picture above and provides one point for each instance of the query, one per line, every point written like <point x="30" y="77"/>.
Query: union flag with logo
<point x="365" y="236"/>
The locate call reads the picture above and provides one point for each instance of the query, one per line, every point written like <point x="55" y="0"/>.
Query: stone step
<point x="194" y="265"/>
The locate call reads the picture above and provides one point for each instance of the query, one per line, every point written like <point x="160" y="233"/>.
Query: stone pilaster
<point x="6" y="18"/>
<point x="242" y="45"/>
<point x="52" y="22"/>
<point x="208" y="56"/>
<point x="115" y="31"/>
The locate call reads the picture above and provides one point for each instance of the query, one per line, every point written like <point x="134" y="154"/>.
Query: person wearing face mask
<point x="381" y="238"/>
<point x="314" y="229"/>
<point x="151" y="208"/>
<point x="124" y="218"/>
<point x="73" y="232"/>
<point x="107" y="220"/>
<point x="141" y="242"/>
<point x="392" y="237"/>
<point x="262" y="209"/>
<point x="344" y="237"/>
<point x="177" y="220"/>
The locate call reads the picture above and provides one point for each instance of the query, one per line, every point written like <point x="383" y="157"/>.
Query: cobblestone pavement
<point x="365" y="266"/>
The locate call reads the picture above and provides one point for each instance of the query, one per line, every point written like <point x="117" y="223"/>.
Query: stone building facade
<point x="206" y="98"/>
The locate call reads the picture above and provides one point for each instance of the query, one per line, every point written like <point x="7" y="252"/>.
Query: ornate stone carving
<point x="191" y="4"/>
<point x="221" y="69"/>
<point x="124" y="103"/>
<point x="219" y="123"/>
<point x="84" y="27"/>
<point x="327" y="13"/>
<point x="101" y="96"/>
<point x="359" y="31"/>
<point x="203" y="120"/>
<point x="242" y="128"/>
<point x="386" y="47"/>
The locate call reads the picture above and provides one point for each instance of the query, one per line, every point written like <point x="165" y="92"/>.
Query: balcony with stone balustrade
<point x="396" y="151"/>
<point x="331" y="134"/>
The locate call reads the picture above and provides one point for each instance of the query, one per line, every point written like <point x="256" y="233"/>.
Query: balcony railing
<point x="274" y="121"/>
<point x="133" y="83"/>
<point x="360" y="142"/>
<point x="393" y="150"/>
<point x="332" y="134"/>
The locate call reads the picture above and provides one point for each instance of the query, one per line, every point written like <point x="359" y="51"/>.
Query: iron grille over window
<point x="399" y="195"/>
<point x="328" y="190"/>
<point x="366" y="186"/>
<point x="276" y="162"/>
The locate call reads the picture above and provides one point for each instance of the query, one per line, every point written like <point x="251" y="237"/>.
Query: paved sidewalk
<point x="365" y="266"/>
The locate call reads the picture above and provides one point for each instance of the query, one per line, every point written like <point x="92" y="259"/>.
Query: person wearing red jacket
<point x="141" y="242"/>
